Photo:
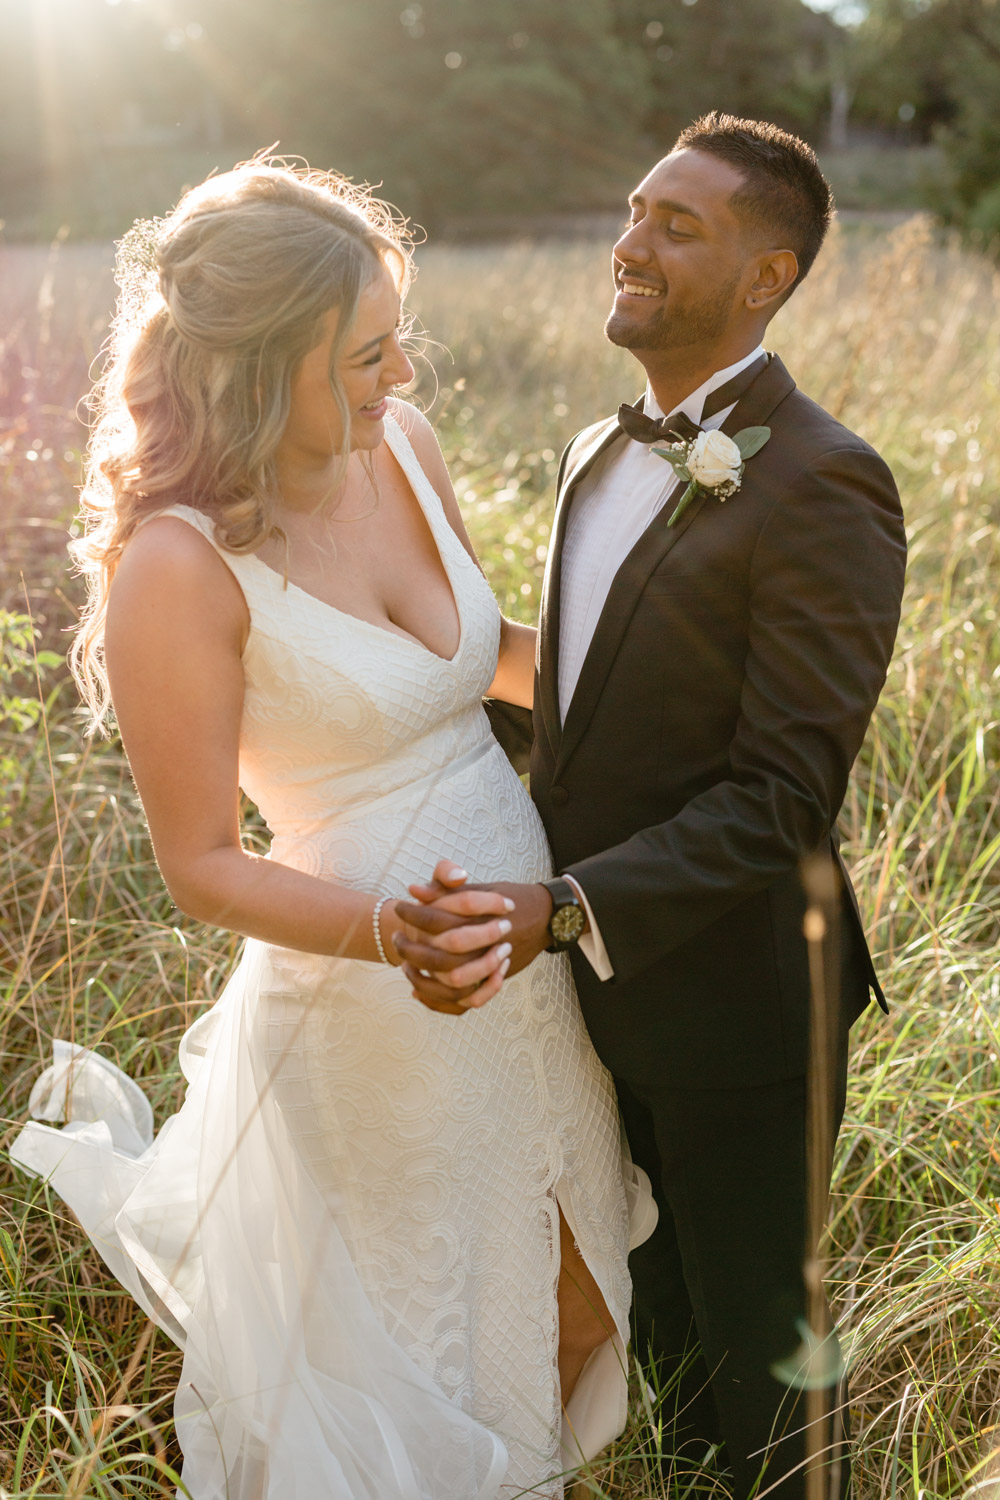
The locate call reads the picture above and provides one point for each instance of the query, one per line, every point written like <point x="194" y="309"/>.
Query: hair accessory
<point x="137" y="270"/>
<point x="376" y="929"/>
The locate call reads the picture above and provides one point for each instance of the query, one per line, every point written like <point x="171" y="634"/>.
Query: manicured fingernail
<point x="508" y="904"/>
<point x="504" y="967"/>
<point x="457" y="873"/>
<point x="503" y="950"/>
<point x="503" y="926"/>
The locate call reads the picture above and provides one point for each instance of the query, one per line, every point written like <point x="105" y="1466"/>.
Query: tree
<point x="467" y="107"/>
<point x="762" y="58"/>
<point x="938" y="61"/>
<point x="453" y="105"/>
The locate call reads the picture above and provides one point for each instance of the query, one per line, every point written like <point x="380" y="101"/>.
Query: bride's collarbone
<point x="381" y="570"/>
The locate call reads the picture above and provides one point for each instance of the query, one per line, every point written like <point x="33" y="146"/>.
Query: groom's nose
<point x="631" y="248"/>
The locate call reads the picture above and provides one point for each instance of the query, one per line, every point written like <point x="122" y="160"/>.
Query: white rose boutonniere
<point x="712" y="463"/>
<point x="715" y="462"/>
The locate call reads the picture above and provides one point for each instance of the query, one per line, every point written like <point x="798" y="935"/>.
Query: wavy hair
<point x="218" y="304"/>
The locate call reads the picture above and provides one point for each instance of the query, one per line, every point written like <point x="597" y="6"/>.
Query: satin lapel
<point x="548" y="626"/>
<point x="758" y="401"/>
<point x="756" y="404"/>
<point x="623" y="596"/>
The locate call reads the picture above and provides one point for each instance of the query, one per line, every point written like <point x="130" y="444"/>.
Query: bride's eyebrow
<point x="371" y="344"/>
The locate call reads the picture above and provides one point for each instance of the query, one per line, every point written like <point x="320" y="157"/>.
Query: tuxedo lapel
<point x="623" y="596"/>
<point x="759" y="400"/>
<point x="582" y="462"/>
<point x="756" y="404"/>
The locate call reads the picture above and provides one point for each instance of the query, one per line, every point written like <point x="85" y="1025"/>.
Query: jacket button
<point x="560" y="796"/>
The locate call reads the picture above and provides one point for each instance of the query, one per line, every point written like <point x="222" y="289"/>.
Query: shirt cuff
<point x="591" y="945"/>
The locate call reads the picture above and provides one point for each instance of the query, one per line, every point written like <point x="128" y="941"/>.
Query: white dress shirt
<point x="626" y="488"/>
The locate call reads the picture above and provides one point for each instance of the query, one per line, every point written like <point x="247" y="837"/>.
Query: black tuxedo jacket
<point x="707" y="746"/>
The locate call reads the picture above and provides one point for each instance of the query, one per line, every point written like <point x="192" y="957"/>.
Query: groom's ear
<point x="775" y="274"/>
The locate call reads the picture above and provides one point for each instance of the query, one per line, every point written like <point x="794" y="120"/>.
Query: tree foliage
<point x="937" y="63"/>
<point x="769" y="58"/>
<point x="456" y="106"/>
<point x="481" y="107"/>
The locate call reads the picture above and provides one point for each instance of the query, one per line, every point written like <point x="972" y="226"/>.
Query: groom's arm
<point x="825" y="589"/>
<point x="512" y="728"/>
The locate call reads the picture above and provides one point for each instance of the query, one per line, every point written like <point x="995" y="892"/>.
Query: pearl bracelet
<point x="376" y="929"/>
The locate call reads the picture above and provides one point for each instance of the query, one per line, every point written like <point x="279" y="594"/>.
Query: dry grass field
<point x="899" y="335"/>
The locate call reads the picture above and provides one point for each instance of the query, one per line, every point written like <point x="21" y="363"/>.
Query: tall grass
<point x="899" y="337"/>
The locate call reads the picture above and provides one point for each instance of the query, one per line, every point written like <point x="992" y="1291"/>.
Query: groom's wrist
<point x="583" y="902"/>
<point x="567" y="920"/>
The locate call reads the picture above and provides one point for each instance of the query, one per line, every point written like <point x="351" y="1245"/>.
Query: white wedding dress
<point x="351" y="1225"/>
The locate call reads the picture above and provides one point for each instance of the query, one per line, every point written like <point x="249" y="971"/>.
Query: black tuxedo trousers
<point x="704" y="755"/>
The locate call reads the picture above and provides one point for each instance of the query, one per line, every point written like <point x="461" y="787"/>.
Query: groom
<point x="703" y="689"/>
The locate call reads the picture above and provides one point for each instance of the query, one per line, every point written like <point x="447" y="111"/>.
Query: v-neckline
<point x="413" y="480"/>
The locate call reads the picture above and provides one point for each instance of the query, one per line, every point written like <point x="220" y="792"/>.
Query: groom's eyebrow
<point x="667" y="206"/>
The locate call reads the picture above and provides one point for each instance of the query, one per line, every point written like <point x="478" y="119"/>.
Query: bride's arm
<point x="515" y="676"/>
<point x="177" y="624"/>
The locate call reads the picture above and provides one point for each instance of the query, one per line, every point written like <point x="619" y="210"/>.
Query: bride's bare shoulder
<point x="170" y="566"/>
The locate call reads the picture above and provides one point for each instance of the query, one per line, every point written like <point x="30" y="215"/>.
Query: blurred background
<point x="472" y="113"/>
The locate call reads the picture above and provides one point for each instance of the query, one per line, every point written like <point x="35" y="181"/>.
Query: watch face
<point x="567" y="924"/>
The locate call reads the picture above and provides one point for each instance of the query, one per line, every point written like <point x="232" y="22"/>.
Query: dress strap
<point x="398" y="442"/>
<point x="194" y="517"/>
<point x="241" y="564"/>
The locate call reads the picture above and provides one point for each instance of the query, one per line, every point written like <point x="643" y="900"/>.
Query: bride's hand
<point x="434" y="927"/>
<point x="471" y="956"/>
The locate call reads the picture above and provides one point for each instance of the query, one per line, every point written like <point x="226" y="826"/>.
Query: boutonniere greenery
<point x="712" y="463"/>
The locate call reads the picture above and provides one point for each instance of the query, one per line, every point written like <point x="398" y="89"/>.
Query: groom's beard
<point x="702" y="322"/>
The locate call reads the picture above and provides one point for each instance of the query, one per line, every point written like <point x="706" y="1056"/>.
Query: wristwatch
<point x="568" y="918"/>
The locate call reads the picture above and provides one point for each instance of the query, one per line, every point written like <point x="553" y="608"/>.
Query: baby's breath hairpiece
<point x="137" y="271"/>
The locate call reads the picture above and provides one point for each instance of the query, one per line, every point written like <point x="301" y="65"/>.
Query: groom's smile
<point x="628" y="286"/>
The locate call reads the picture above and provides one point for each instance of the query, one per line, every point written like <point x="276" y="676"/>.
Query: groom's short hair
<point x="783" y="188"/>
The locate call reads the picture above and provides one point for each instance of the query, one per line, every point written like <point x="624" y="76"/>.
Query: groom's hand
<point x="424" y="944"/>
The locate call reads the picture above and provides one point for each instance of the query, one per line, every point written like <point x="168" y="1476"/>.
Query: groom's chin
<point x="627" y="333"/>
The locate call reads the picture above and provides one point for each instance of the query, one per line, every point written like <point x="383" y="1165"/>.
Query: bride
<point x="391" y="1243"/>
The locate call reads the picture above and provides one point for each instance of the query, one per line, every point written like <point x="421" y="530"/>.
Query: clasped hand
<point x="456" y="960"/>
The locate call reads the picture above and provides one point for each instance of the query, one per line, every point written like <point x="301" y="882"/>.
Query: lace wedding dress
<point x="351" y="1225"/>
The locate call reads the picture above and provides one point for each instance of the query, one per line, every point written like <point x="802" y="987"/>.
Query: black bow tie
<point x="676" y="429"/>
<point x="679" y="428"/>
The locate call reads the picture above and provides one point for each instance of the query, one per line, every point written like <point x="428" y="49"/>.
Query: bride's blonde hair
<point x="218" y="303"/>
